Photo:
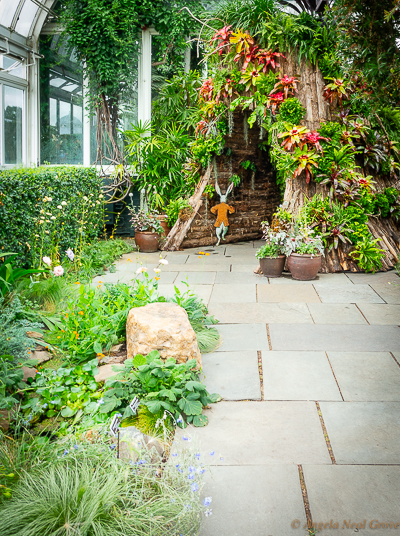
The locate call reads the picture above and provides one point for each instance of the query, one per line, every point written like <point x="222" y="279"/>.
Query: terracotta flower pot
<point x="146" y="241"/>
<point x="163" y="219"/>
<point x="304" y="267"/>
<point x="271" y="267"/>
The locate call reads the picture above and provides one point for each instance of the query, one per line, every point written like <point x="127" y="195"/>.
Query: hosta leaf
<point x="200" y="420"/>
<point x="190" y="407"/>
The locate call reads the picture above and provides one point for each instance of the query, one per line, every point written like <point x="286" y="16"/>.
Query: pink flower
<point x="58" y="270"/>
<point x="47" y="261"/>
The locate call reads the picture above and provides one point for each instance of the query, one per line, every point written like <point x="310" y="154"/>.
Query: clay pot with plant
<point x="272" y="255"/>
<point x="148" y="229"/>
<point x="304" y="250"/>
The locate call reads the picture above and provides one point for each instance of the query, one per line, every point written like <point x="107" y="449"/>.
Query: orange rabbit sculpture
<point x="222" y="209"/>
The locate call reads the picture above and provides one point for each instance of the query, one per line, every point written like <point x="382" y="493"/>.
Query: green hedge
<point x="21" y="198"/>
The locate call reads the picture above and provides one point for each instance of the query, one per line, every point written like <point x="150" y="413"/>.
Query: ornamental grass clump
<point x="87" y="491"/>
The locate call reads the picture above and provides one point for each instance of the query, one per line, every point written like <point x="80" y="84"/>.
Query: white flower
<point x="48" y="213"/>
<point x="101" y="196"/>
<point x="141" y="270"/>
<point x="47" y="232"/>
<point x="47" y="261"/>
<point x="163" y="261"/>
<point x="157" y="270"/>
<point x="53" y="218"/>
<point x="58" y="270"/>
<point x="59" y="206"/>
<point x="64" y="203"/>
<point x="70" y="254"/>
<point x="85" y="198"/>
<point x="49" y="199"/>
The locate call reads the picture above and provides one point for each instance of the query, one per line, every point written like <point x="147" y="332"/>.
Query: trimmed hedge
<point x="21" y="198"/>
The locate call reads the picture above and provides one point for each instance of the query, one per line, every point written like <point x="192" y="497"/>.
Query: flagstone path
<point x="309" y="426"/>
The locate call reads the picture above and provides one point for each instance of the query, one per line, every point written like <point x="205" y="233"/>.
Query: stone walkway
<point x="309" y="428"/>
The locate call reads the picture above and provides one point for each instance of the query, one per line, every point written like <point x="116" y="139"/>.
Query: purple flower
<point x="112" y="447"/>
<point x="212" y="453"/>
<point x="65" y="452"/>
<point x="194" y="486"/>
<point x="192" y="468"/>
<point x="175" y="454"/>
<point x="208" y="512"/>
<point x="207" y="501"/>
<point x="179" y="419"/>
<point x="186" y="438"/>
<point x="197" y="456"/>
<point x="70" y="254"/>
<point x="76" y="447"/>
<point x="191" y="476"/>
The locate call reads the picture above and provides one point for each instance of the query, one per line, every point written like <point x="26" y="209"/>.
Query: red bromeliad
<point x="223" y="37"/>
<point x="202" y="128"/>
<point x="313" y="139"/>
<point x="251" y="57"/>
<point x="296" y="137"/>
<point x="307" y="160"/>
<point x="274" y="100"/>
<point x="206" y="90"/>
<point x="336" y="89"/>
<point x="267" y="57"/>
<point x="287" y="83"/>
<point x="243" y="41"/>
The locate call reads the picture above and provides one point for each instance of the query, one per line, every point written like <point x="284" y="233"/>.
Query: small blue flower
<point x="221" y="458"/>
<point x="119" y="415"/>
<point x="52" y="401"/>
<point x="185" y="438"/>
<point x="190" y="476"/>
<point x="65" y="452"/>
<point x="201" y="470"/>
<point x="44" y="406"/>
<point x="194" y="486"/>
<point x="207" y="501"/>
<point x="197" y="456"/>
<point x="208" y="512"/>
<point x="179" y="419"/>
<point x="212" y="453"/>
<point x="188" y="506"/>
<point x="76" y="447"/>
<point x="112" y="447"/>
<point x="192" y="468"/>
<point x="175" y="454"/>
<point x="100" y="402"/>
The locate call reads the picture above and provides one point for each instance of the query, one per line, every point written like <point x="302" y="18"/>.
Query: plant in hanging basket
<point x="272" y="255"/>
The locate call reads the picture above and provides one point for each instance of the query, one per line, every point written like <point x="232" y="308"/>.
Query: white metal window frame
<point x="21" y="84"/>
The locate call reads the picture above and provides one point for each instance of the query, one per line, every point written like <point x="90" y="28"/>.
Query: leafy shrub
<point x="292" y="111"/>
<point x="174" y="208"/>
<point x="22" y="191"/>
<point x="10" y="380"/>
<point x="160" y="386"/>
<point x="368" y="255"/>
<point x="88" y="491"/>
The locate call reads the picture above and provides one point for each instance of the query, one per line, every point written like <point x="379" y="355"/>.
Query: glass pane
<point x="12" y="113"/>
<point x="18" y="69"/>
<point x="7" y="11"/>
<point x="26" y="17"/>
<point x="61" y="104"/>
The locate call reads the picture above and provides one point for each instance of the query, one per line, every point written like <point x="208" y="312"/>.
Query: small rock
<point x="117" y="348"/>
<point x="29" y="372"/>
<point x="112" y="359"/>
<point x="164" y="327"/>
<point x="41" y="356"/>
<point x="105" y="373"/>
<point x="34" y="335"/>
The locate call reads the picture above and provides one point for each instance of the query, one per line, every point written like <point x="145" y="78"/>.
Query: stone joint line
<point x="327" y="440"/>
<point x="305" y="497"/>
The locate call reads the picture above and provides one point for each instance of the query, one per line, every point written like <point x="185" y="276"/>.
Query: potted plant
<point x="304" y="250"/>
<point x="272" y="255"/>
<point x="147" y="229"/>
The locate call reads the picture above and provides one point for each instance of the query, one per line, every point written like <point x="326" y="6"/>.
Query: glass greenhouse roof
<point x="20" y="15"/>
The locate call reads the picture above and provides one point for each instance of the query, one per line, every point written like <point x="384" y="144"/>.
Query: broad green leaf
<point x="193" y="396"/>
<point x="153" y="405"/>
<point x="92" y="406"/>
<point x="200" y="420"/>
<point x="109" y="405"/>
<point x="67" y="412"/>
<point x="215" y="397"/>
<point x="138" y="360"/>
<point x="152" y="356"/>
<point x="97" y="347"/>
<point x="190" y="407"/>
<point x="168" y="393"/>
<point x="190" y="386"/>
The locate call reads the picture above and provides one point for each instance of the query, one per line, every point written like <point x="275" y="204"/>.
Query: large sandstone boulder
<point x="164" y="327"/>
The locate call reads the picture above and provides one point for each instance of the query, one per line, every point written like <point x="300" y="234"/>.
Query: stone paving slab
<point x="200" y="260"/>
<point x="242" y="259"/>
<point x="388" y="292"/>
<point x="366" y="376"/>
<point x="287" y="294"/>
<point x="338" y="338"/>
<point x="202" y="291"/>
<point x="353" y="494"/>
<point x="347" y="294"/>
<point x="176" y="258"/>
<point x="253" y="500"/>
<point x="363" y="432"/>
<point x="196" y="278"/>
<point x="255" y="313"/>
<point x="379" y="278"/>
<point x="233" y="294"/>
<point x="381" y="313"/>
<point x="336" y="313"/>
<point x="167" y="278"/>
<point x="261" y="433"/>
<point x="233" y="375"/>
<point x="298" y="376"/>
<point x="247" y="268"/>
<point x="205" y="267"/>
<point x="242" y="337"/>
<point x="239" y="278"/>
<point x="321" y="279"/>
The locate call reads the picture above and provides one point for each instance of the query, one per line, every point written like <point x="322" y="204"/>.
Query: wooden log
<point x="180" y="229"/>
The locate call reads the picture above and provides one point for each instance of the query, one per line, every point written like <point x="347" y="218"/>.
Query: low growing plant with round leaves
<point x="160" y="386"/>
